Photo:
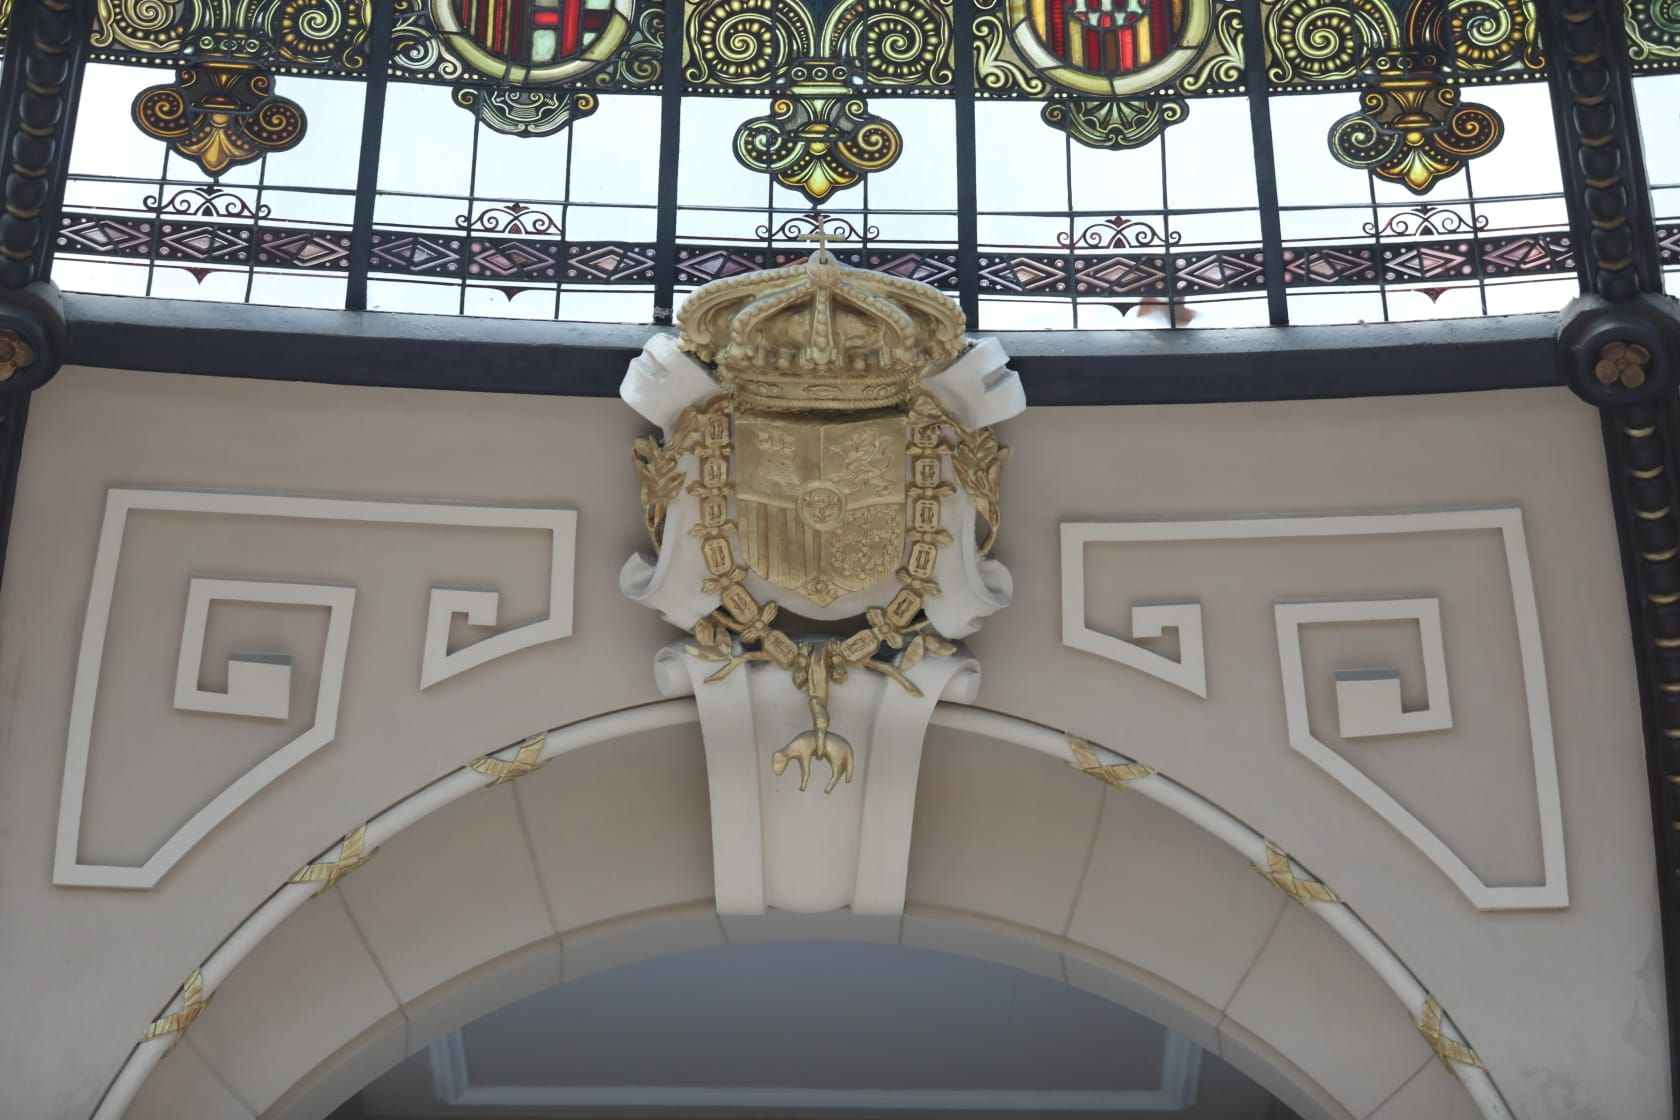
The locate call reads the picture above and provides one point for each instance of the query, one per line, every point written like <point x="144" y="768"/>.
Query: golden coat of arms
<point x="821" y="468"/>
<point x="820" y="504"/>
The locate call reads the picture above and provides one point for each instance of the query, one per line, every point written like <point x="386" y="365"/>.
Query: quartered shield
<point x="533" y="41"/>
<point x="1110" y="47"/>
<point x="819" y="502"/>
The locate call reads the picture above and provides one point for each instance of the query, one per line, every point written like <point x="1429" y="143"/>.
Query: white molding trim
<point x="252" y="685"/>
<point x="1257" y="850"/>
<point x="260" y="685"/>
<point x="1553" y="891"/>
<point x="1149" y="620"/>
<point x="1181" y="1064"/>
<point x="1368" y="703"/>
<point x="1191" y="806"/>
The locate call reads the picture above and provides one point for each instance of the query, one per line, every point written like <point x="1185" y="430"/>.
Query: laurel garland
<point x="743" y="630"/>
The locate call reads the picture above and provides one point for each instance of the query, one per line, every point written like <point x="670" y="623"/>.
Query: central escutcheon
<point x="820" y="503"/>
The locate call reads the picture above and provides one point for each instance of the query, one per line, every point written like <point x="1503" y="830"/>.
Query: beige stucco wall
<point x="1563" y="1005"/>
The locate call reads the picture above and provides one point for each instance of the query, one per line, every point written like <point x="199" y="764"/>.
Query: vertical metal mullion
<point x="1476" y="239"/>
<point x="968" y="194"/>
<point x="1377" y="242"/>
<point x="471" y="215"/>
<point x="1265" y="162"/>
<point x="1633" y="178"/>
<point x="863" y="233"/>
<point x="1072" y="229"/>
<point x="1169" y="264"/>
<point x="670" y="149"/>
<point x="256" y="229"/>
<point x="373" y="134"/>
<point x="565" y="219"/>
<point x="1580" y="228"/>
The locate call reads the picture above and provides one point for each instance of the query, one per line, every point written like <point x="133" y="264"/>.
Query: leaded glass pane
<point x="539" y="120"/>
<point x="515" y="168"/>
<point x="837" y="115"/>
<point x="1657" y="96"/>
<point x="1133" y="112"/>
<point x="1416" y="158"/>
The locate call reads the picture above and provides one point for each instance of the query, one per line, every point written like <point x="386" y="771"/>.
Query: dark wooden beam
<point x="1619" y="349"/>
<point x="560" y="359"/>
<point x="45" y="53"/>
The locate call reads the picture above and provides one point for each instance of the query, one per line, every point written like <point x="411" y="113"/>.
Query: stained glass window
<point x="208" y="160"/>
<point x="1417" y="161"/>
<point x="1143" y="211"/>
<point x="1653" y="32"/>
<point x="538" y="193"/>
<point x="800" y="113"/>
<point x="1108" y="164"/>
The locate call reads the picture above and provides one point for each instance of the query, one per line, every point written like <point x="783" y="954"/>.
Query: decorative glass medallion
<point x="1408" y="59"/>
<point x="1113" y="47"/>
<point x="533" y="42"/>
<point x="1113" y="73"/>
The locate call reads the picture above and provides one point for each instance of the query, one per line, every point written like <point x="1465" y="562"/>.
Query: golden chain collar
<point x="742" y="622"/>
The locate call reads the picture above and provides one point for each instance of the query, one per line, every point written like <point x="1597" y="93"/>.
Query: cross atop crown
<point x="820" y="234"/>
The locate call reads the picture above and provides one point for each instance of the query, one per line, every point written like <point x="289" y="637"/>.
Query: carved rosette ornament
<point x="823" y="501"/>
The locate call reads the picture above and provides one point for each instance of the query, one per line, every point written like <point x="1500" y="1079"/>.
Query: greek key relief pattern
<point x="277" y="703"/>
<point x="1368" y="680"/>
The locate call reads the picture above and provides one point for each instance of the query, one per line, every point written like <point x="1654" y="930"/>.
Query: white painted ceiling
<point x="830" y="1029"/>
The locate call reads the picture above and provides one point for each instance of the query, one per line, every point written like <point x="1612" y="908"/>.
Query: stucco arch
<point x="480" y="896"/>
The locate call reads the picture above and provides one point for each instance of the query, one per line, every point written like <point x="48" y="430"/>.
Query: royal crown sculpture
<point x="822" y="504"/>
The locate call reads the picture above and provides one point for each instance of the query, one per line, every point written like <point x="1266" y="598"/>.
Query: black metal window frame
<point x="967" y="283"/>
